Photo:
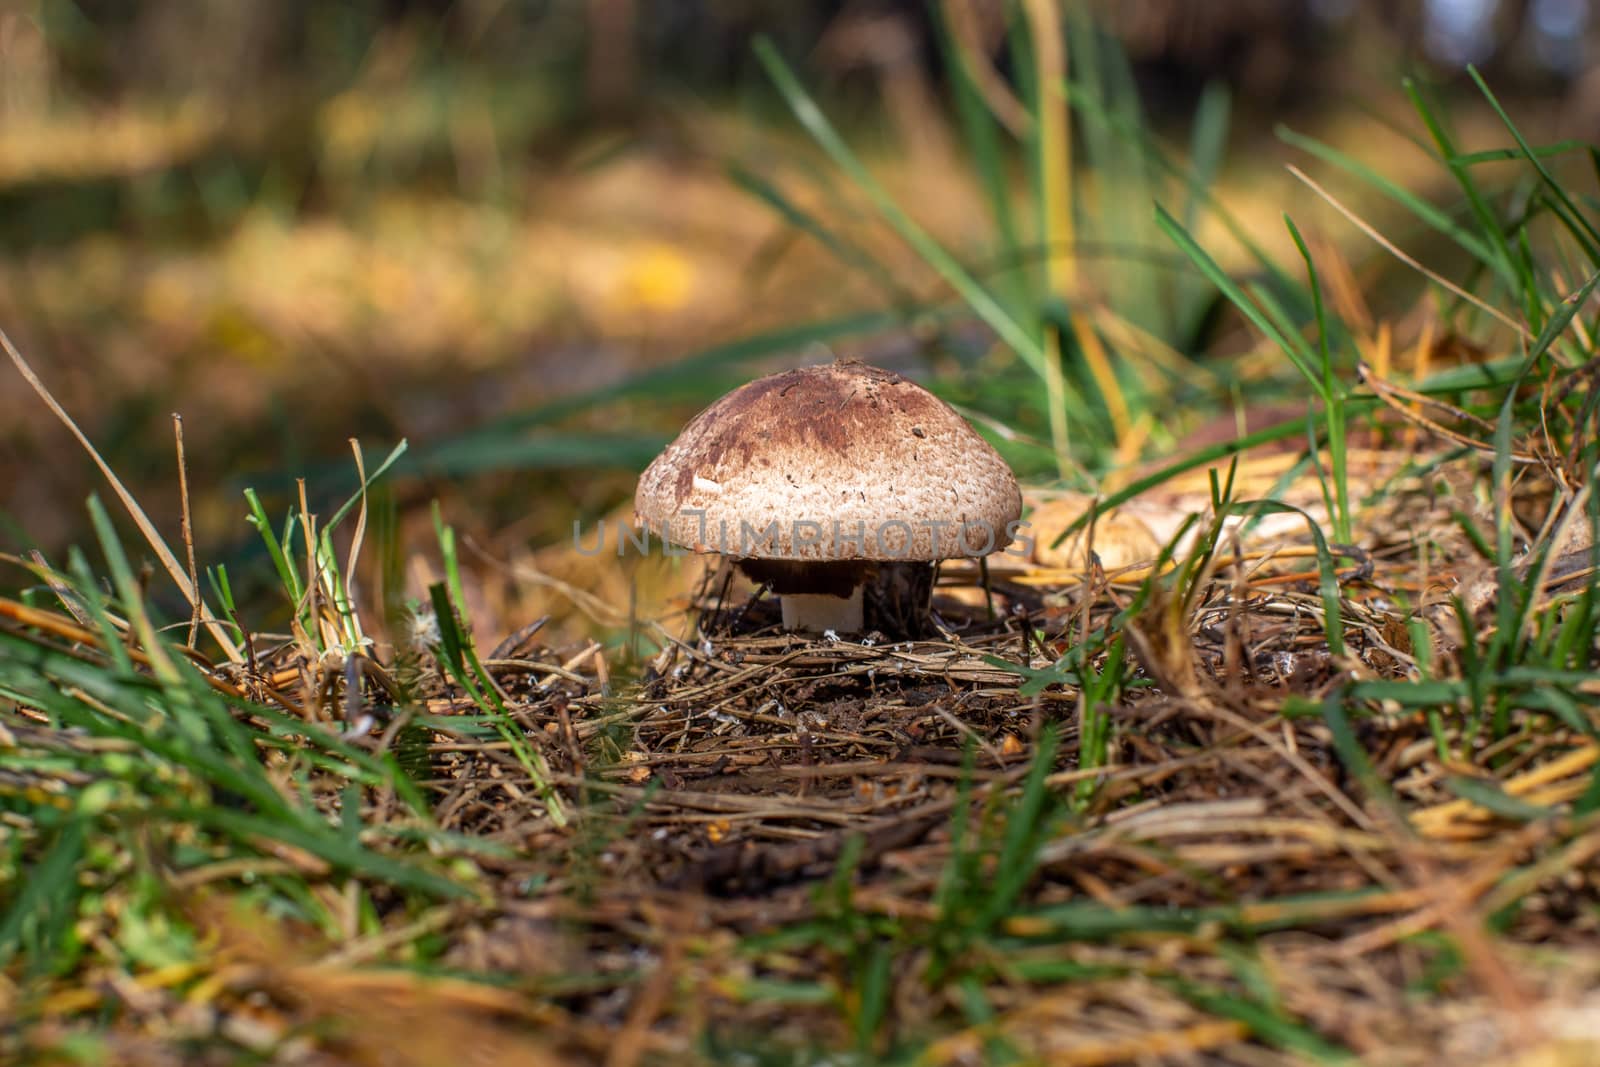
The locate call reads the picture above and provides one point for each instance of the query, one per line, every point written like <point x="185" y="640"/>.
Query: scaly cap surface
<point x="833" y="462"/>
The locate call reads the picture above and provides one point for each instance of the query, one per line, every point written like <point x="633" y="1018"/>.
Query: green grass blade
<point x="1270" y="1026"/>
<point x="1023" y="834"/>
<point x="504" y="444"/>
<point x="288" y="576"/>
<point x="980" y="300"/>
<point x="1187" y="176"/>
<point x="366" y="485"/>
<point x="43" y="899"/>
<point x="986" y="146"/>
<point x="1431" y="216"/>
<point x="1293" y="348"/>
<point x="1582" y="229"/>
<point x="1332" y="397"/>
<point x="1494" y="799"/>
<point x="128" y="592"/>
<point x="1492" y="232"/>
<point x="842" y="249"/>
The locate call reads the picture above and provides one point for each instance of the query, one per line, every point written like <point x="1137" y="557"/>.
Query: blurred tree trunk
<point x="612" y="62"/>
<point x="1254" y="44"/>
<point x="201" y="46"/>
<point x="1581" y="113"/>
<point x="26" y="70"/>
<point x="887" y="44"/>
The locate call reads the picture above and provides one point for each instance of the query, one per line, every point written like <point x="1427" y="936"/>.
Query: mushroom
<point x="813" y="478"/>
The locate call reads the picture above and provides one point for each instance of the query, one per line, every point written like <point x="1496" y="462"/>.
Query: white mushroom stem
<point x="820" y="613"/>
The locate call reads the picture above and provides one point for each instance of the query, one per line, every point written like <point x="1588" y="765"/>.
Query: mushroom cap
<point x="836" y="462"/>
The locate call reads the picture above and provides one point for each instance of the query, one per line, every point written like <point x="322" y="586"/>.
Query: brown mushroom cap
<point x="829" y="463"/>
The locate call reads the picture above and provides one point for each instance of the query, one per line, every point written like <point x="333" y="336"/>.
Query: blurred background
<point x="494" y="228"/>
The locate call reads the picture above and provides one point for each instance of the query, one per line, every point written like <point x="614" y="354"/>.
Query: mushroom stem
<point x="820" y="613"/>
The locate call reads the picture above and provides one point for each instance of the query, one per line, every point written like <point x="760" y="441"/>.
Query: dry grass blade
<point x="1542" y="785"/>
<point x="187" y="527"/>
<point x="152" y="536"/>
<point x="1179" y="1043"/>
<point x="1398" y="398"/>
<point x="1184" y="783"/>
<point x="360" y="532"/>
<point x="1055" y="140"/>
<point x="67" y="629"/>
<point x="966" y="23"/>
<point x="1434" y="276"/>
